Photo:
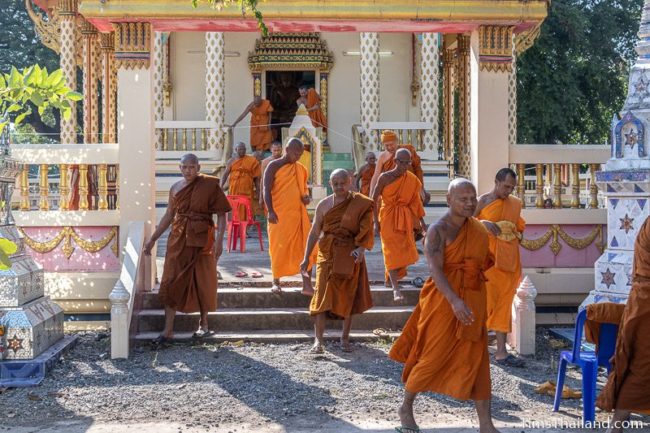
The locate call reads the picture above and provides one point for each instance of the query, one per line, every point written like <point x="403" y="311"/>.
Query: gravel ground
<point x="233" y="384"/>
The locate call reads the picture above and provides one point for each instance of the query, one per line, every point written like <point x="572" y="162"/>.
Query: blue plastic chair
<point x="588" y="361"/>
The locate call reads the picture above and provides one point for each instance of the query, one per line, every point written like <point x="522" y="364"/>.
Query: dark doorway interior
<point x="282" y="91"/>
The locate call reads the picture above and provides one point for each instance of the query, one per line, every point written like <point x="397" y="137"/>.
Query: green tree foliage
<point x="572" y="81"/>
<point x="245" y="6"/>
<point x="33" y="87"/>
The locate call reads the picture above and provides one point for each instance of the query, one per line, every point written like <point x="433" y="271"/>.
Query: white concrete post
<point x="429" y="93"/>
<point x="157" y="67"/>
<point x="68" y="63"/>
<point x="522" y="337"/>
<point x="119" y="298"/>
<point x="369" y="75"/>
<point x="215" y="88"/>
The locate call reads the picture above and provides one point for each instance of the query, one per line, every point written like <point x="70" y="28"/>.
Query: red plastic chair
<point x="237" y="227"/>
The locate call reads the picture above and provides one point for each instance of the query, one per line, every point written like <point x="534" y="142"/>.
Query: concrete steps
<point x="274" y="336"/>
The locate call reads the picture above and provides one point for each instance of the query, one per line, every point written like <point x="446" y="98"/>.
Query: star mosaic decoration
<point x="641" y="86"/>
<point x="15" y="344"/>
<point x="608" y="278"/>
<point x="631" y="138"/>
<point x="626" y="223"/>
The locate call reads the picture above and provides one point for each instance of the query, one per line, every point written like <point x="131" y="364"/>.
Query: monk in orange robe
<point x="344" y="219"/>
<point x="628" y="386"/>
<point x="189" y="280"/>
<point x="311" y="100"/>
<point x="365" y="173"/>
<point x="500" y="212"/>
<point x="261" y="135"/>
<point x="244" y="173"/>
<point x="401" y="207"/>
<point x="444" y="343"/>
<point x="286" y="196"/>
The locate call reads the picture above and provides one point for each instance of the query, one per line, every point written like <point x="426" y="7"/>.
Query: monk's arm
<point x="269" y="179"/>
<point x="218" y="237"/>
<point x="226" y="174"/>
<point x="314" y="234"/>
<point x="376" y="195"/>
<point x="435" y="253"/>
<point x="163" y="225"/>
<point x="256" y="181"/>
<point x="377" y="173"/>
<point x="244" y="114"/>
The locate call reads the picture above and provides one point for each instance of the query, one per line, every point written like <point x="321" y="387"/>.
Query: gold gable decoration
<point x="290" y="51"/>
<point x="495" y="48"/>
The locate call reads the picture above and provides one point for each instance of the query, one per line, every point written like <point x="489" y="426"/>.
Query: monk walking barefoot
<point x="286" y="197"/>
<point x="628" y="385"/>
<point x="500" y="213"/>
<point x="444" y="343"/>
<point x="244" y="174"/>
<point x="261" y="135"/>
<point x="397" y="208"/>
<point x="189" y="280"/>
<point x="343" y="230"/>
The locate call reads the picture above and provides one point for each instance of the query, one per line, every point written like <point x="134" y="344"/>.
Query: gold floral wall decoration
<point x="555" y="232"/>
<point x="67" y="235"/>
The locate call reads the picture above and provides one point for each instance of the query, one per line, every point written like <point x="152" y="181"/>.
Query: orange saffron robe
<point x="243" y="171"/>
<point x="365" y="179"/>
<point x="439" y="353"/>
<point x="416" y="163"/>
<point x="504" y="277"/>
<point x="288" y="238"/>
<point x="261" y="136"/>
<point x="342" y="286"/>
<point x="189" y="280"/>
<point x="317" y="117"/>
<point x="400" y="206"/>
<point x="628" y="385"/>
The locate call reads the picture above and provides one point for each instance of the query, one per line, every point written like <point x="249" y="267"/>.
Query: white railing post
<point x="522" y="337"/>
<point x="119" y="298"/>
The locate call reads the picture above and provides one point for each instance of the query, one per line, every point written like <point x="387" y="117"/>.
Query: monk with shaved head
<point x="398" y="208"/>
<point x="443" y="345"/>
<point x="189" y="280"/>
<point x="343" y="230"/>
<point x="243" y="174"/>
<point x="364" y="175"/>
<point x="286" y="196"/>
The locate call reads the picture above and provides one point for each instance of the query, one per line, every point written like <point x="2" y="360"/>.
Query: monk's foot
<point x="407" y="420"/>
<point x="346" y="346"/>
<point x="316" y="349"/>
<point x="488" y="428"/>
<point x="275" y="288"/>
<point x="162" y="340"/>
<point x="387" y="283"/>
<point x="397" y="295"/>
<point x="307" y="291"/>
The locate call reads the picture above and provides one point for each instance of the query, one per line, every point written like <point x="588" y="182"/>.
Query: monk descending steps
<point x="628" y="386"/>
<point x="500" y="212"/>
<point x="189" y="280"/>
<point x="364" y="175"/>
<point x="261" y="134"/>
<point x="344" y="219"/>
<point x="444" y="343"/>
<point x="286" y="196"/>
<point x="397" y="195"/>
<point x="244" y="174"/>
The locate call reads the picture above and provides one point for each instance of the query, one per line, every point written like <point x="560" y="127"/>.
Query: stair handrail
<point x="358" y="147"/>
<point x="123" y="297"/>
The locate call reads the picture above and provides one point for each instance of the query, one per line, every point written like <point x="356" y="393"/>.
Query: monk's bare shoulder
<point x="325" y="205"/>
<point x="483" y="200"/>
<point x="436" y="237"/>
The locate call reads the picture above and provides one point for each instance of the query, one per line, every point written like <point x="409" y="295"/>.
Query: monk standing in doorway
<point x="311" y="100"/>
<point x="189" y="280"/>
<point x="500" y="212"/>
<point x="397" y="195"/>
<point x="244" y="174"/>
<point x="261" y="135"/>
<point x="363" y="177"/>
<point x="343" y="230"/>
<point x="444" y="343"/>
<point x="628" y="386"/>
<point x="286" y="196"/>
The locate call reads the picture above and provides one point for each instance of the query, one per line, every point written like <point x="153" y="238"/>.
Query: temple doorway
<point x="282" y="91"/>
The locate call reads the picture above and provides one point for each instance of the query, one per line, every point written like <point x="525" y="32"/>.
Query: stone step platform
<point x="280" y="336"/>
<point x="244" y="320"/>
<point x="262" y="297"/>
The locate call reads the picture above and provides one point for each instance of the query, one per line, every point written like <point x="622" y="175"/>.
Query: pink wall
<point x="567" y="257"/>
<point x="80" y="260"/>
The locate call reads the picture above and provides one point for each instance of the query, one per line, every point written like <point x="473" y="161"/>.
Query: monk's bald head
<point x="461" y="198"/>
<point x="340" y="181"/>
<point x="403" y="155"/>
<point x="189" y="167"/>
<point x="294" y="149"/>
<point x="189" y="158"/>
<point x="402" y="161"/>
<point x="340" y="173"/>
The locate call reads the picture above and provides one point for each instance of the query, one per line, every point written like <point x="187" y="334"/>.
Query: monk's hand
<point x="492" y="228"/>
<point x="427" y="198"/>
<point x="304" y="267"/>
<point x="273" y="218"/>
<point x="306" y="199"/>
<point x="217" y="249"/>
<point x="147" y="247"/>
<point x="358" y="254"/>
<point x="462" y="311"/>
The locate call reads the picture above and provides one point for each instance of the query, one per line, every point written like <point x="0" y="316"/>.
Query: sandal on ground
<point x="407" y="429"/>
<point x="161" y="340"/>
<point x="256" y="274"/>
<point x="241" y="274"/>
<point x="397" y="296"/>
<point x="510" y="361"/>
<point x="418" y="282"/>
<point x="276" y="289"/>
<point x="202" y="333"/>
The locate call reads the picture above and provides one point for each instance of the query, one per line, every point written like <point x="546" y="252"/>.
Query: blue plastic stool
<point x="588" y="361"/>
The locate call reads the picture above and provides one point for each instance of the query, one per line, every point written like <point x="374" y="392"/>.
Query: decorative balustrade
<point x="187" y="136"/>
<point x="558" y="176"/>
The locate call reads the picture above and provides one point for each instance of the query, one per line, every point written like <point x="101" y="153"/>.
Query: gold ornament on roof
<point x="495" y="48"/>
<point x="290" y="51"/>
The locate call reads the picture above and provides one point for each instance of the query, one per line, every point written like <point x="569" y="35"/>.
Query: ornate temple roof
<point x="282" y="49"/>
